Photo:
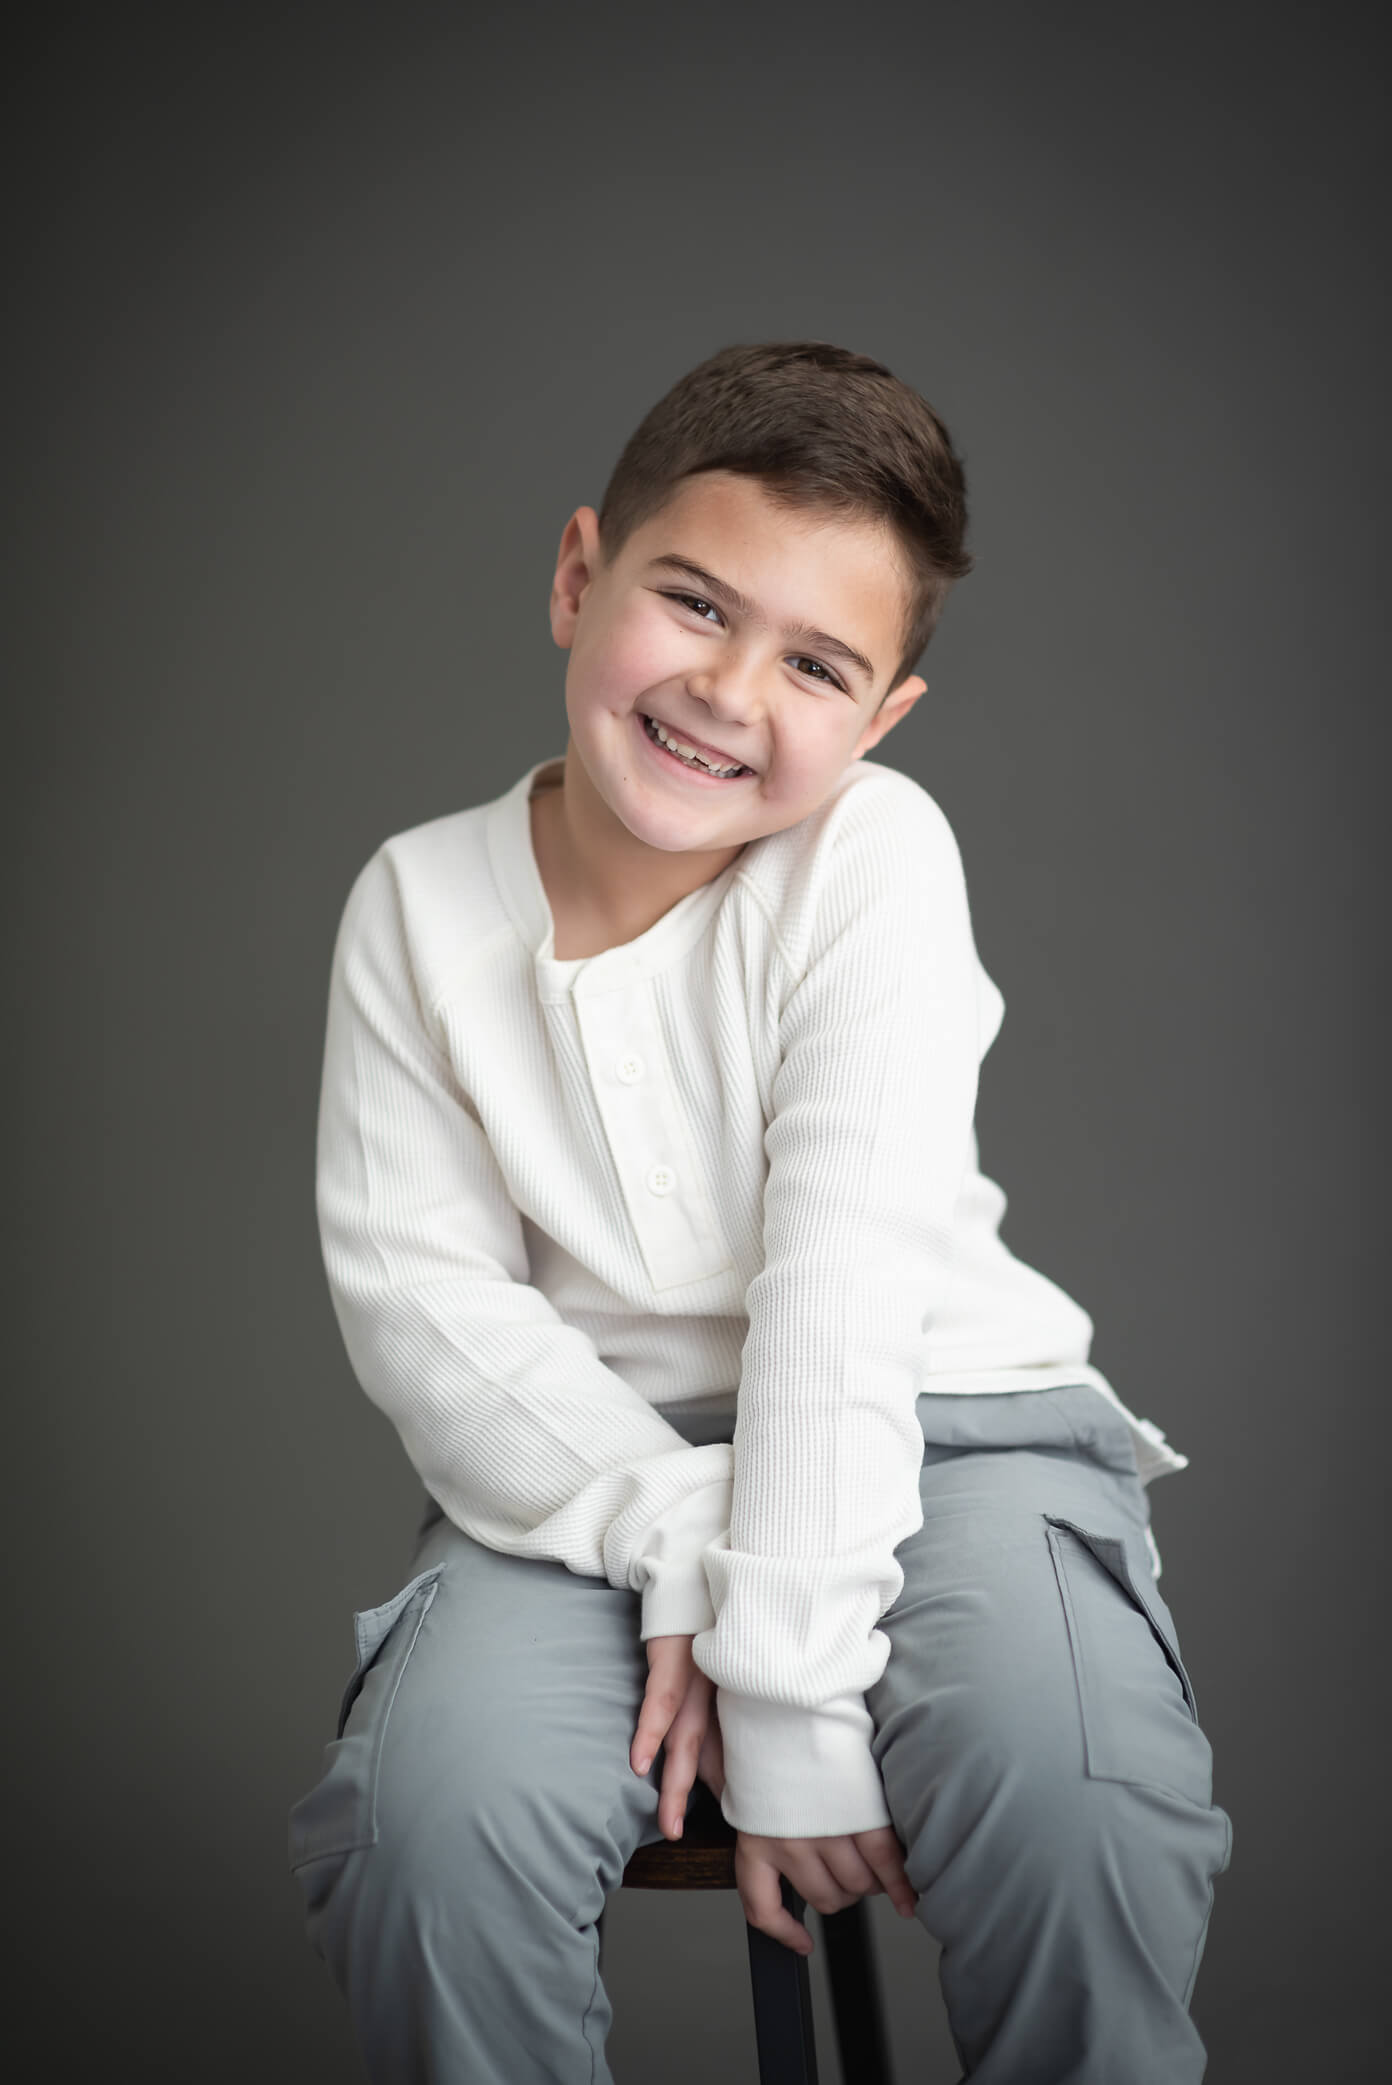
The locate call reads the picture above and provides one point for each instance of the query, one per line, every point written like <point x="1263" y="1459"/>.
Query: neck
<point x="607" y="879"/>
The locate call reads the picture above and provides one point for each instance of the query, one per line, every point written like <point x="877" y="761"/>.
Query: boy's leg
<point x="1042" y="1760"/>
<point x="474" y="1813"/>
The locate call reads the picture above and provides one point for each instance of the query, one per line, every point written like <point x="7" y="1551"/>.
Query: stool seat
<point x="704" y="1859"/>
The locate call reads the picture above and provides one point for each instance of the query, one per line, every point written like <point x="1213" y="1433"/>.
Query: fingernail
<point x="679" y="1825"/>
<point x="644" y="1763"/>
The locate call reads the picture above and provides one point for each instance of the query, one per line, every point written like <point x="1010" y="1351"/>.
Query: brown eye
<point x="824" y="672"/>
<point x="698" y="602"/>
<point x="694" y="601"/>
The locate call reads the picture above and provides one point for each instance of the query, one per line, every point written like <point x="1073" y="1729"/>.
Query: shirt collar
<point x="524" y="895"/>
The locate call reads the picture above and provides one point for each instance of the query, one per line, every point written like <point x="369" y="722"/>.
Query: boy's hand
<point x="678" y="1712"/>
<point x="829" y="1873"/>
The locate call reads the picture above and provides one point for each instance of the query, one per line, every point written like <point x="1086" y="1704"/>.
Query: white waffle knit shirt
<point x="734" y="1158"/>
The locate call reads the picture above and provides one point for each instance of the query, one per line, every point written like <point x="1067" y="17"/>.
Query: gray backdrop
<point x="326" y="321"/>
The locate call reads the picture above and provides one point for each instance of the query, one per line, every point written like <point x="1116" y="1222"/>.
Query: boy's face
<point x="648" y="640"/>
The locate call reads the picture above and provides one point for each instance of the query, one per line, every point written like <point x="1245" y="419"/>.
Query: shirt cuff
<point x="669" y="1570"/>
<point x="797" y="1773"/>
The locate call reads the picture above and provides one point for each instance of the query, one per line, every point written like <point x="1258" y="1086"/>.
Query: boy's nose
<point x="730" y="694"/>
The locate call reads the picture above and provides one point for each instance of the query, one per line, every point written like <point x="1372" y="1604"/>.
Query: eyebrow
<point x="729" y="596"/>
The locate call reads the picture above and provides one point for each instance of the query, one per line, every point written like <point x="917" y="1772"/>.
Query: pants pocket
<point x="339" y="1812"/>
<point x="1140" y="1719"/>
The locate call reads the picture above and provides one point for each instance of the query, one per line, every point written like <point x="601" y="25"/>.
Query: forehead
<point x="791" y="562"/>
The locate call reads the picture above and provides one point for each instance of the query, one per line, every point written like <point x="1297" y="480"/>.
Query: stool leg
<point x="782" y="1991"/>
<point x="856" y="2002"/>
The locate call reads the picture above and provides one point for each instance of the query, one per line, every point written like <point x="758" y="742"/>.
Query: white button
<point x="630" y="1068"/>
<point x="661" y="1179"/>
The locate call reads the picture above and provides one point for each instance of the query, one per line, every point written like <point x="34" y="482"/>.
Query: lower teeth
<point x="699" y="765"/>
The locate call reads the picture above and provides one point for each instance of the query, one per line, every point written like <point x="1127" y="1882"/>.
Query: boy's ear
<point x="577" y="561"/>
<point x="896" y="704"/>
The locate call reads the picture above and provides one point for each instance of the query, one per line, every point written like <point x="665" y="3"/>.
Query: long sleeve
<point x="874" y="1101"/>
<point x="512" y="1421"/>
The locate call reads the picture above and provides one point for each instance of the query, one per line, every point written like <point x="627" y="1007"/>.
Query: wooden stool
<point x="704" y="1859"/>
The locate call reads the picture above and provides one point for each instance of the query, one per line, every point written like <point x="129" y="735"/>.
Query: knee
<point x="441" y="1796"/>
<point x="466" y="1829"/>
<point x="1013" y="1797"/>
<point x="999" y="1785"/>
<point x="455" y="1802"/>
<point x="457" y="1846"/>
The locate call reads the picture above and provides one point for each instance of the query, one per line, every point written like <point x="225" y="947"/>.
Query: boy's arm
<point x="514" y="1424"/>
<point x="873" y="1108"/>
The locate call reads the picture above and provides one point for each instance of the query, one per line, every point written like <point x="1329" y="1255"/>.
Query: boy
<point x="651" y="1212"/>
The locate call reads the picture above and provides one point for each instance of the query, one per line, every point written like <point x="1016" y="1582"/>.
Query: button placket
<point x="672" y="1215"/>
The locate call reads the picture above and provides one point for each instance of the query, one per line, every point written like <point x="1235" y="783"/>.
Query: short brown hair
<point x="821" y="427"/>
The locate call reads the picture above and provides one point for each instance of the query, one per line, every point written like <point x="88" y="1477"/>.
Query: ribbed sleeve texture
<point x="873" y="1106"/>
<point x="732" y="1158"/>
<point x="513" y="1422"/>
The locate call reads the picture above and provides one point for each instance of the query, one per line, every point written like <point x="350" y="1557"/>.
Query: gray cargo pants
<point x="1035" y="1729"/>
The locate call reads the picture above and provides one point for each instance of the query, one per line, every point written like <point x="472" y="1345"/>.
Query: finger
<point x="685" y="1747"/>
<point x="711" y="1763"/>
<point x="850" y="1869"/>
<point x="660" y="1704"/>
<point x="682" y="1750"/>
<point x="761" y="1893"/>
<point x="677" y="1777"/>
<point x="887" y="1861"/>
<point x="804" y="1863"/>
<point x="815" y="1880"/>
<point x="670" y="1667"/>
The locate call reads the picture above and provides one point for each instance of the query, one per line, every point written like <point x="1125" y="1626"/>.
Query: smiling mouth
<point x="718" y="770"/>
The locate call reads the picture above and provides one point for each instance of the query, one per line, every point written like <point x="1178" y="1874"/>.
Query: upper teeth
<point x="690" y="752"/>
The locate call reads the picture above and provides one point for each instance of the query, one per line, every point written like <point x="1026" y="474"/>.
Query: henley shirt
<point x="732" y="1161"/>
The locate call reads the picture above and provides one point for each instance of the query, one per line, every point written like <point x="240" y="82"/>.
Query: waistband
<point x="1071" y="1416"/>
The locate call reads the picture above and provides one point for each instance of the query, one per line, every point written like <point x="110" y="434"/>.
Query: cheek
<point x="635" y="652"/>
<point x="812" y="747"/>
